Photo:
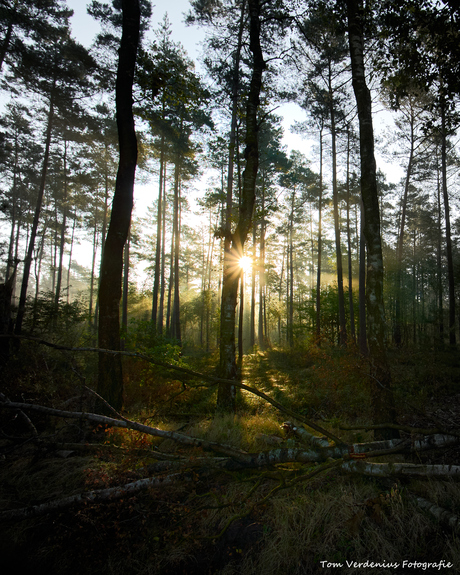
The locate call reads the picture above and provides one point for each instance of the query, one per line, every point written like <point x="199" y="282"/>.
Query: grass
<point x="271" y="529"/>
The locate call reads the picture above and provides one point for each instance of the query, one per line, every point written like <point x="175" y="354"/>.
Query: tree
<point x="57" y="72"/>
<point x="110" y="377"/>
<point x="227" y="358"/>
<point x="382" y="399"/>
<point x="324" y="95"/>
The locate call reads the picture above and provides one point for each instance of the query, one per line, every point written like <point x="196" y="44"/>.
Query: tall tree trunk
<point x="262" y="332"/>
<point x="175" y="318"/>
<point x="350" y="258"/>
<point x="38" y="207"/>
<point x="380" y="376"/>
<point x="241" y="324"/>
<point x="252" y="340"/>
<point x="362" y="331"/>
<point x="335" y="201"/>
<point x="163" y="261"/>
<point x="156" y="277"/>
<point x="320" y="241"/>
<point x="93" y="269"/>
<point x="399" y="250"/>
<point x="110" y="376"/>
<point x="290" y="277"/>
<point x="72" y="238"/>
<point x="124" y="301"/>
<point x="105" y="218"/>
<point x="11" y="264"/>
<point x="57" y="295"/>
<point x="440" y="310"/>
<point x="227" y="360"/>
<point x="450" y="260"/>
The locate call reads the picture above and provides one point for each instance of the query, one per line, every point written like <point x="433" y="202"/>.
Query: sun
<point x="245" y="263"/>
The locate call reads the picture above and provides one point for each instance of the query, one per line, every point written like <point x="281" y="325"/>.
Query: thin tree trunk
<point x="163" y="261"/>
<point x="450" y="260"/>
<point x="70" y="257"/>
<point x="156" y="277"/>
<point x="350" y="258"/>
<point x="62" y="238"/>
<point x="93" y="268"/>
<point x="399" y="252"/>
<point x="320" y="241"/>
<point x="439" y="266"/>
<point x="335" y="201"/>
<point x="175" y="319"/>
<point x="362" y="331"/>
<point x="252" y="340"/>
<point x="262" y="331"/>
<point x="38" y="207"/>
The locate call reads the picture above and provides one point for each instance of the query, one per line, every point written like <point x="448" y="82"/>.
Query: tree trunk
<point x="362" y="331"/>
<point x="440" y="307"/>
<point x="227" y="361"/>
<point x="156" y="277"/>
<point x="72" y="238"/>
<point x="261" y="327"/>
<point x="380" y="376"/>
<point x="320" y="241"/>
<point x="175" y="319"/>
<point x="399" y="253"/>
<point x="163" y="261"/>
<point x="350" y="259"/>
<point x="38" y="207"/>
<point x="110" y="377"/>
<point x="124" y="302"/>
<point x="62" y="238"/>
<point x="450" y="260"/>
<point x="335" y="201"/>
<point x="252" y="340"/>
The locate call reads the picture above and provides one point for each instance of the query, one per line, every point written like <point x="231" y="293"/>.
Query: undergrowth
<point x="225" y="522"/>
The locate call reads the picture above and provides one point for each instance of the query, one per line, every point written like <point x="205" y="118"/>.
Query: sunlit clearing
<point x="245" y="263"/>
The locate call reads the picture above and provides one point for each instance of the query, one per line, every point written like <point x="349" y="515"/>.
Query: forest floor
<point x="201" y="517"/>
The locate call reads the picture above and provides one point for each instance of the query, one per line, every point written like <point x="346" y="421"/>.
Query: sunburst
<point x="245" y="263"/>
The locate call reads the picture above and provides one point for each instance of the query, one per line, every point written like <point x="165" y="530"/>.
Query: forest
<point x="220" y="354"/>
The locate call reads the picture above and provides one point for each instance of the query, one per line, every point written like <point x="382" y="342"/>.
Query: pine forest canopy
<point x="237" y="240"/>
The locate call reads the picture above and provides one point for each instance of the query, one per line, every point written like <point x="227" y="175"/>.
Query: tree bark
<point x="156" y="277"/>
<point x="110" y="377"/>
<point x="335" y="201"/>
<point x="320" y="240"/>
<point x="62" y="238"/>
<point x="227" y="360"/>
<point x="380" y="376"/>
<point x="450" y="260"/>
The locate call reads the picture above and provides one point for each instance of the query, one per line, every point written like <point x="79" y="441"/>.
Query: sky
<point x="85" y="28"/>
<point x="191" y="37"/>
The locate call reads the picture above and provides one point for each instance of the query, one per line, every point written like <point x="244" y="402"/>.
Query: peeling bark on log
<point x="439" y="513"/>
<point x="401" y="469"/>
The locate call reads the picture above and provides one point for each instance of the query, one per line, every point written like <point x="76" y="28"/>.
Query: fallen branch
<point x="186" y="371"/>
<point x="125" y="423"/>
<point x="439" y="513"/>
<point x="401" y="469"/>
<point x="95" y="496"/>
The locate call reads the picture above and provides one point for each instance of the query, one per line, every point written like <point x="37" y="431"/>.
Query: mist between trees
<point x="333" y="252"/>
